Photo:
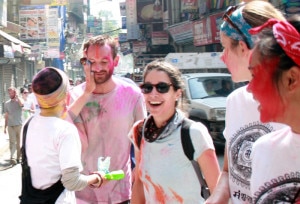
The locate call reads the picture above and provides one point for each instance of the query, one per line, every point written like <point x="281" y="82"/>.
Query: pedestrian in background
<point x="243" y="125"/>
<point x="52" y="146"/>
<point x="78" y="81"/>
<point x="28" y="107"/>
<point x="13" y="123"/>
<point x="104" y="109"/>
<point x="71" y="82"/>
<point x="275" y="66"/>
<point x="32" y="97"/>
<point x="25" y="83"/>
<point x="163" y="172"/>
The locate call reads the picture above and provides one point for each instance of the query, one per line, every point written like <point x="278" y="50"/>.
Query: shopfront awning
<point x="14" y="40"/>
<point x="181" y="33"/>
<point x="18" y="46"/>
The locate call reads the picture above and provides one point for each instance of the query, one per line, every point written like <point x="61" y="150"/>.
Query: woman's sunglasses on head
<point x="161" y="87"/>
<point x="226" y="17"/>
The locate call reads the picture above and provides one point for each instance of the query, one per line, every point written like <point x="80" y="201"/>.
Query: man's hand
<point x="90" y="85"/>
<point x="19" y="100"/>
<point x="90" y="81"/>
<point x="16" y="98"/>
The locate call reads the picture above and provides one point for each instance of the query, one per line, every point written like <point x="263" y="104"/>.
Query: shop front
<point x="14" y="65"/>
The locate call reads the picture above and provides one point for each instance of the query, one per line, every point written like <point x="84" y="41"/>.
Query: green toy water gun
<point x="115" y="175"/>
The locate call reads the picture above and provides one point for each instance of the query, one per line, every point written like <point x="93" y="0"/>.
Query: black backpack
<point x="189" y="150"/>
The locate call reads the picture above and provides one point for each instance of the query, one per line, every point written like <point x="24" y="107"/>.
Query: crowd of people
<point x="106" y="116"/>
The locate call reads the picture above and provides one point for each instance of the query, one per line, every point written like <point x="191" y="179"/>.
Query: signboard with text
<point x="139" y="46"/>
<point x="189" y="6"/>
<point x="3" y="13"/>
<point x="160" y="38"/>
<point x="207" y="30"/>
<point x="202" y="32"/>
<point x="131" y="20"/>
<point x="216" y="21"/>
<point x="122" y="8"/>
<point x="33" y="22"/>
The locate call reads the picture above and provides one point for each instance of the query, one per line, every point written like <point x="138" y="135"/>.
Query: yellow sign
<point x="59" y="2"/>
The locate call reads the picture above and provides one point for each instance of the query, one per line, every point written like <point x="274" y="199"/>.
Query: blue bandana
<point x="237" y="18"/>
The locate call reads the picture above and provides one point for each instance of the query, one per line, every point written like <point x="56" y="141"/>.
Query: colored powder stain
<point x="229" y="63"/>
<point x="92" y="104"/>
<point x="265" y="91"/>
<point x="68" y="99"/>
<point x="125" y="104"/>
<point x="166" y="151"/>
<point x="177" y="197"/>
<point x="159" y="192"/>
<point x="93" y="110"/>
<point x="146" y="187"/>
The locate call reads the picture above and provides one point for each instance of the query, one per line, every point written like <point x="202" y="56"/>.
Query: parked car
<point x="206" y="96"/>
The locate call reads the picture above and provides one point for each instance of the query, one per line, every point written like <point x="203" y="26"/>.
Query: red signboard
<point x="202" y="32"/>
<point x="207" y="30"/>
<point x="216" y="21"/>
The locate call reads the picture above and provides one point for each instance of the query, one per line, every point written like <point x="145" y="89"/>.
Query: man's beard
<point x="12" y="96"/>
<point x="103" y="78"/>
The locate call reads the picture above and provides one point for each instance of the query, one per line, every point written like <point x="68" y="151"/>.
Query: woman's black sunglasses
<point x="226" y="17"/>
<point x="161" y="87"/>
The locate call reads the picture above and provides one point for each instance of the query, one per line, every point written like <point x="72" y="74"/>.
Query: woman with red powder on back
<point x="275" y="66"/>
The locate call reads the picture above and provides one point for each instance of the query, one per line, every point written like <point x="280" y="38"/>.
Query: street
<point x="10" y="185"/>
<point x="10" y="176"/>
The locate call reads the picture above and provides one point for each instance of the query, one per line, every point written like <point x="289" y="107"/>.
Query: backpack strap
<point x="24" y="157"/>
<point x="138" y="133"/>
<point x="186" y="141"/>
<point x="189" y="150"/>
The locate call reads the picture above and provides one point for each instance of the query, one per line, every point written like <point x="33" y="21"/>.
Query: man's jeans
<point x="14" y="133"/>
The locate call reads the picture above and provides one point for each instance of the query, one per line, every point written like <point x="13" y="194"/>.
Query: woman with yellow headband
<point x="51" y="163"/>
<point x="243" y="126"/>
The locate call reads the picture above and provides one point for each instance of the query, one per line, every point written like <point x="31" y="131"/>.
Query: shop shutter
<point x="7" y="80"/>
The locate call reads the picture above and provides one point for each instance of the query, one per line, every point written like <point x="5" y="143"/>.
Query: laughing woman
<point x="164" y="174"/>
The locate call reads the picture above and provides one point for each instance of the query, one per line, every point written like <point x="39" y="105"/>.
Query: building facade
<point x="39" y="33"/>
<point x="165" y="26"/>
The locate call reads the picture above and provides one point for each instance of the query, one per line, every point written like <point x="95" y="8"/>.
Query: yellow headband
<point x="54" y="98"/>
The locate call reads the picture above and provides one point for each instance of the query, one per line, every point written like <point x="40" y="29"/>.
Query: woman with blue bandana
<point x="243" y="125"/>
